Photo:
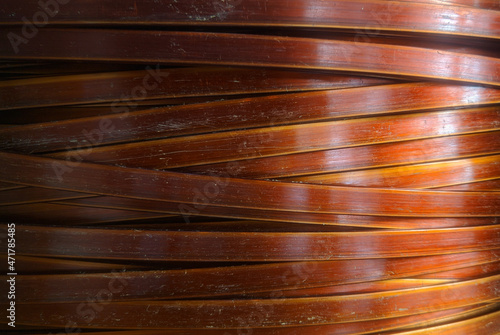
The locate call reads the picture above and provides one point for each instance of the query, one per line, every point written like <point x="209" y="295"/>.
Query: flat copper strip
<point x="26" y="195"/>
<point x="488" y="324"/>
<point x="275" y="196"/>
<point x="489" y="185"/>
<point x="241" y="280"/>
<point x="481" y="173"/>
<point x="353" y="328"/>
<point x="187" y="48"/>
<point x="347" y="289"/>
<point x="485" y="4"/>
<point x="357" y="14"/>
<point x="281" y="312"/>
<point x="243" y="113"/>
<point x="466" y="273"/>
<point x="309" y="218"/>
<point x="357" y="158"/>
<point x="60" y="214"/>
<point x="282" y="140"/>
<point x="9" y="186"/>
<point x="29" y="265"/>
<point x="418" y="176"/>
<point x="129" y="86"/>
<point x="256" y="247"/>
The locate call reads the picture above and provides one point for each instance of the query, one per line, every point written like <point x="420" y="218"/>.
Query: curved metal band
<point x="282" y="140"/>
<point x="160" y="83"/>
<point x="361" y="15"/>
<point x="240" y="114"/>
<point x="273" y="196"/>
<point x="294" y="279"/>
<point x="418" y="176"/>
<point x="280" y="312"/>
<point x="198" y="246"/>
<point x="282" y="52"/>
<point x="358" y="158"/>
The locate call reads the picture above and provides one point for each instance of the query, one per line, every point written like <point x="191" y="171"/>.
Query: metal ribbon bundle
<point x="251" y="166"/>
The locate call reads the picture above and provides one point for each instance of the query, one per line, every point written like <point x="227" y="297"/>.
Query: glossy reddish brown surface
<point x="231" y="115"/>
<point x="489" y="185"/>
<point x="363" y="327"/>
<point x="246" y="166"/>
<point x="284" y="197"/>
<point x="166" y="83"/>
<point x="244" y="280"/>
<point x="361" y="157"/>
<point x="297" y="217"/>
<point x="418" y="176"/>
<point x="189" y="48"/>
<point x="276" y="141"/>
<point x="406" y="16"/>
<point x="292" y="312"/>
<point x="192" y="246"/>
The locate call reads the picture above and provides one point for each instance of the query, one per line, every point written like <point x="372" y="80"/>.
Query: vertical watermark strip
<point x="11" y="274"/>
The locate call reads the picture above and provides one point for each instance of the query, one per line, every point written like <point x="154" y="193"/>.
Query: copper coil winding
<point x="251" y="167"/>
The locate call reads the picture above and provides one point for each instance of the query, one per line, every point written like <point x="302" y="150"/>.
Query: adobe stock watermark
<point x="225" y="7"/>
<point x="29" y="30"/>
<point x="87" y="311"/>
<point x="383" y="18"/>
<point x="221" y="10"/>
<point x="365" y="35"/>
<point x="95" y="137"/>
<point x="294" y="277"/>
<point x="212" y="189"/>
